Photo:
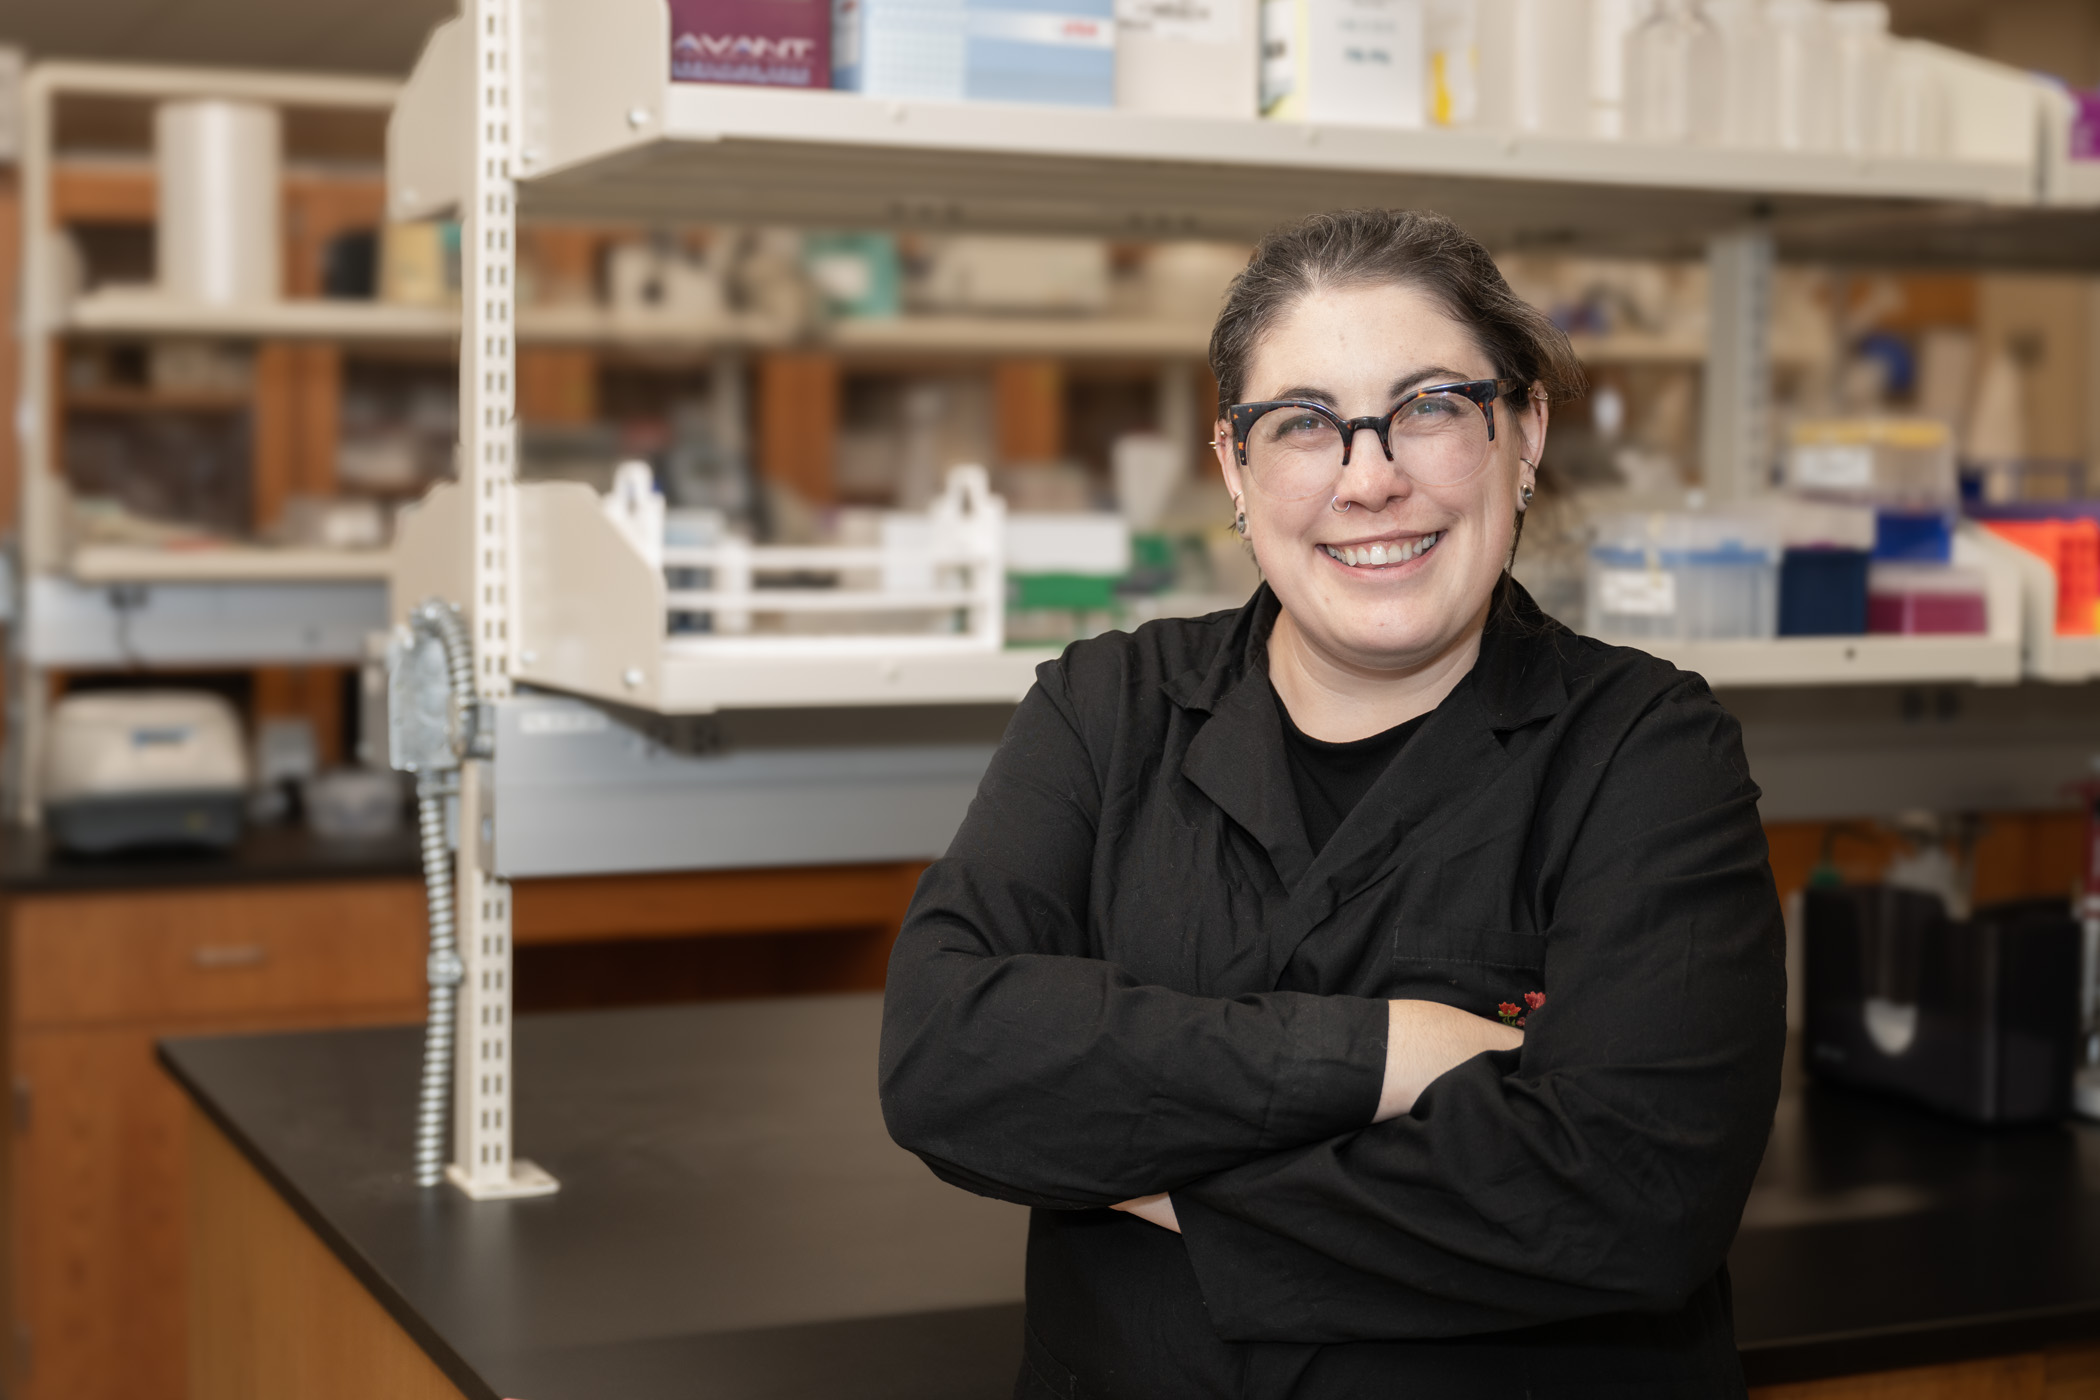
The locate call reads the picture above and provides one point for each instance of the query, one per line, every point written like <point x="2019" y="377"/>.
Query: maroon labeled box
<point x="773" y="43"/>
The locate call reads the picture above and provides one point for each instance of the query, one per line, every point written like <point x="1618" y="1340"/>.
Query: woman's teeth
<point x="1375" y="554"/>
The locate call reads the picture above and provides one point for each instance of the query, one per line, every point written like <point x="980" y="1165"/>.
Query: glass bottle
<point x="1674" y="76"/>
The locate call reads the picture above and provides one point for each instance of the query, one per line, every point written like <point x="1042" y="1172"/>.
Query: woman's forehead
<point x="1361" y="337"/>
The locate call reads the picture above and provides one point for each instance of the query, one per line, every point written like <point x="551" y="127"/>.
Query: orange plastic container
<point x="2072" y="548"/>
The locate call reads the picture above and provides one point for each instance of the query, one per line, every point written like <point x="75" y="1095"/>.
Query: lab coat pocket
<point x="1484" y="971"/>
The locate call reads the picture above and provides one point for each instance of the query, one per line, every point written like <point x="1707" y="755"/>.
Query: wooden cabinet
<point x="97" y="1174"/>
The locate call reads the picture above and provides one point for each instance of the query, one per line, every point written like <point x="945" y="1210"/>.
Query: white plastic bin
<point x="1684" y="576"/>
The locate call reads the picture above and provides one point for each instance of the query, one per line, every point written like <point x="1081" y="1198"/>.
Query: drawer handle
<point x="215" y="959"/>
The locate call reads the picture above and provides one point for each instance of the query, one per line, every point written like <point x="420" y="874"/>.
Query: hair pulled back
<point x="1374" y="247"/>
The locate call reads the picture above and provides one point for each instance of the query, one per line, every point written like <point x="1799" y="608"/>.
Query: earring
<point x="1340" y="505"/>
<point x="1239" y="519"/>
<point x="1524" y="494"/>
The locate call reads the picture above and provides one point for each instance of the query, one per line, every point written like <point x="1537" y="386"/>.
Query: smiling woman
<point x="1377" y="989"/>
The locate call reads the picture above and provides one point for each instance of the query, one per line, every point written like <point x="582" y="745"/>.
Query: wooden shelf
<point x="136" y="400"/>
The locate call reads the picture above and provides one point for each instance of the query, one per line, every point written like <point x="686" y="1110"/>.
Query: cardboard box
<point x="1354" y="62"/>
<point x="766" y="43"/>
<point x="1191" y="58"/>
<point x="1061" y="52"/>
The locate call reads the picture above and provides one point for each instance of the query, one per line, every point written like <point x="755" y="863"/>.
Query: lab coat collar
<point x="1237" y="758"/>
<point x="1516" y="681"/>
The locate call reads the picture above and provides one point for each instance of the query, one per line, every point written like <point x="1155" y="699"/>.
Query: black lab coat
<point x="1131" y="974"/>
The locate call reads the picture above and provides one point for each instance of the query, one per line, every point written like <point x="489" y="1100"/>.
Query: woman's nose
<point x="1370" y="479"/>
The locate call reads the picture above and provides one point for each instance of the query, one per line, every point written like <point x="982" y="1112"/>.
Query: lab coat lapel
<point x="1451" y="765"/>
<point x="1236" y="758"/>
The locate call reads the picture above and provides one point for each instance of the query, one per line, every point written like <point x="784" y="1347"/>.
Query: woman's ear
<point x="1228" y="461"/>
<point x="1531" y="426"/>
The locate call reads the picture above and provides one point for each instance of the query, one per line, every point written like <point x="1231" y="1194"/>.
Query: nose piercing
<point x="1339" y="504"/>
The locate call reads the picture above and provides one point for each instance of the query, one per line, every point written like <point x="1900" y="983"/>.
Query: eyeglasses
<point x="1296" y="448"/>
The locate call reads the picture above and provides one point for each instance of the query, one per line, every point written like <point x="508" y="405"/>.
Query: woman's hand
<point x="1426" y="1039"/>
<point x="1158" y="1209"/>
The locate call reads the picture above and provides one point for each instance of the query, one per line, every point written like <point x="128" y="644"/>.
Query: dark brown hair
<point x="1369" y="247"/>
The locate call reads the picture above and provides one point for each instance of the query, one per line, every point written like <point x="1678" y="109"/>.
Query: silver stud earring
<point x="1524" y="493"/>
<point x="1239" y="519"/>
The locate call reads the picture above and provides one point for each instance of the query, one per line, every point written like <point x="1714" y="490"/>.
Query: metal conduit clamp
<point x="433" y="725"/>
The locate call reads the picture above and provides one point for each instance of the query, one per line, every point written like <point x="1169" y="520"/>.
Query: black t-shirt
<point x="1330" y="779"/>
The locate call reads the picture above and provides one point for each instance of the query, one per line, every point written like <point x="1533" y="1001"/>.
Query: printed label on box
<point x="1848" y="467"/>
<point x="1189" y="21"/>
<point x="1637" y="592"/>
<point x="769" y="43"/>
<point x="1039" y="27"/>
<point x="1279" y="51"/>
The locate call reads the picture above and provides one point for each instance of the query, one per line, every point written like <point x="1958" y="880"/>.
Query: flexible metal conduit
<point x="439" y="623"/>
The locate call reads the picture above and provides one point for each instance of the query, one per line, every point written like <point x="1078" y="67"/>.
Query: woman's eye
<point x="1433" y="406"/>
<point x="1303" y="425"/>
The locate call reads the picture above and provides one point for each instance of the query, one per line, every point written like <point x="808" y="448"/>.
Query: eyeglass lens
<point x="1437" y="439"/>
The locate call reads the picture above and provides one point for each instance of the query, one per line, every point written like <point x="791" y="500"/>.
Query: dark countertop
<point x="731" y="1207"/>
<point x="265" y="855"/>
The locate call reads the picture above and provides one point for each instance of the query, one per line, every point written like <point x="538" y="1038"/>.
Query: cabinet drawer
<point x="225" y="950"/>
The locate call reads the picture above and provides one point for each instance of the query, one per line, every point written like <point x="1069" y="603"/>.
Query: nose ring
<point x="1339" y="504"/>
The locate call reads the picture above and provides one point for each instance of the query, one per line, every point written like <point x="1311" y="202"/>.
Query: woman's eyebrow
<point x="1439" y="374"/>
<point x="1436" y="373"/>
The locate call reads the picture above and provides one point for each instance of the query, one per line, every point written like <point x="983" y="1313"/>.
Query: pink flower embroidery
<point x="1534" y="1000"/>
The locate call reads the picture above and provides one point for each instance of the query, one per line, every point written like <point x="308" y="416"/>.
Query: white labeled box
<point x="1191" y="58"/>
<point x="1349" y="62"/>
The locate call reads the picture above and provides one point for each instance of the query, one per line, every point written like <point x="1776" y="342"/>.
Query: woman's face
<point x="1359" y="351"/>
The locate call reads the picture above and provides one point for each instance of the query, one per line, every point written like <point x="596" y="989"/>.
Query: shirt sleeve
<point x="1601" y="1168"/>
<point x="1019" y="1065"/>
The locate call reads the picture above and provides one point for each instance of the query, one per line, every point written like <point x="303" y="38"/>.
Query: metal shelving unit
<point x="567" y="110"/>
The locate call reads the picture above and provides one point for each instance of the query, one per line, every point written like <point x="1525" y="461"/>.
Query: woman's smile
<point x="1383" y="556"/>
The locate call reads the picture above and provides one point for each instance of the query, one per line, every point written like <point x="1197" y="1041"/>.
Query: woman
<point x="1377" y="990"/>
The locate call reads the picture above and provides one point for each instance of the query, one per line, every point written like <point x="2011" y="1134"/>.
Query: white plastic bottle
<point x="1916" y="107"/>
<point x="1674" y="76"/>
<point x="1860" y="31"/>
<point x="1535" y="66"/>
<point x="1745" y="103"/>
<point x="1801" y="75"/>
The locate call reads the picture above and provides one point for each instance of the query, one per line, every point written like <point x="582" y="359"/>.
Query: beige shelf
<point x="1798" y="661"/>
<point x="1640" y="348"/>
<point x="1021" y="335"/>
<point x="147" y="313"/>
<point x="228" y="564"/>
<point x="601" y="327"/>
